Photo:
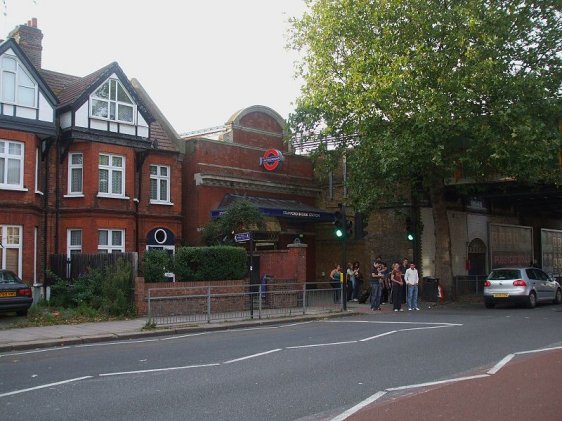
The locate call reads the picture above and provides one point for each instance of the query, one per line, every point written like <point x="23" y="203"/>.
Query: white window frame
<point x="112" y="102"/>
<point x="110" y="247"/>
<point x="111" y="169"/>
<point x="72" y="168"/>
<point x="6" y="244"/>
<point x="18" y="82"/>
<point x="37" y="171"/>
<point x="5" y="155"/>
<point x="73" y="248"/>
<point x="159" y="178"/>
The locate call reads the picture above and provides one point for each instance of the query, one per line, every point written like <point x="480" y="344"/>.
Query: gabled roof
<point x="10" y="43"/>
<point x="161" y="130"/>
<point x="77" y="91"/>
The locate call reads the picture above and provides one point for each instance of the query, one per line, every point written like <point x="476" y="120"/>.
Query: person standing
<point x="397" y="284"/>
<point x="335" y="281"/>
<point x="403" y="269"/>
<point x="385" y="284"/>
<point x="358" y="281"/>
<point x="376" y="280"/>
<point x="350" y="278"/>
<point x="412" y="279"/>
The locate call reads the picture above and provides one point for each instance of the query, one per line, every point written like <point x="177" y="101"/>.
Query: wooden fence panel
<point x="80" y="263"/>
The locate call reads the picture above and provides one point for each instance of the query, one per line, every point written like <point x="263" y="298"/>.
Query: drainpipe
<point x="45" y="219"/>
<point x="57" y="186"/>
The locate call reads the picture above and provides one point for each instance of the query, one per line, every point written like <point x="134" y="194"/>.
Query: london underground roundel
<point x="271" y="159"/>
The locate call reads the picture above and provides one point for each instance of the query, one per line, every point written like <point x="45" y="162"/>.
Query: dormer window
<point x="17" y="85"/>
<point x="110" y="101"/>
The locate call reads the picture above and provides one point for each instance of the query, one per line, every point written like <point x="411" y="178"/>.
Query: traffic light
<point x="410" y="233"/>
<point x="340" y="222"/>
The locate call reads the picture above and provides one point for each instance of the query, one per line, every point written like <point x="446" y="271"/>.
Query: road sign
<point x="242" y="237"/>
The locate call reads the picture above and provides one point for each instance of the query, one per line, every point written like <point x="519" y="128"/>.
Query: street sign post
<point x="242" y="237"/>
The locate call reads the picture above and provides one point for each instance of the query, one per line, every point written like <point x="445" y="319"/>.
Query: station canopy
<point x="278" y="208"/>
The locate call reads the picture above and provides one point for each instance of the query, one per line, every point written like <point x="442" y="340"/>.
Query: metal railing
<point x="167" y="306"/>
<point x="469" y="285"/>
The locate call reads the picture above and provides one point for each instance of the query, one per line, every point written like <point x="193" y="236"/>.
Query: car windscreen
<point x="502" y="274"/>
<point x="8" y="278"/>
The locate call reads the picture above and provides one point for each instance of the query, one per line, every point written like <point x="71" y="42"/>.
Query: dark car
<point x="14" y="294"/>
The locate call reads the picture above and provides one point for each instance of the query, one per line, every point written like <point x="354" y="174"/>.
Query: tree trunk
<point x="443" y="268"/>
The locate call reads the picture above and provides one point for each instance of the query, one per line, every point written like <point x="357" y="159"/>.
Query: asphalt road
<point x="305" y="371"/>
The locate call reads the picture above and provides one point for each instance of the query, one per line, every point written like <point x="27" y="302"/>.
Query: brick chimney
<point x="29" y="38"/>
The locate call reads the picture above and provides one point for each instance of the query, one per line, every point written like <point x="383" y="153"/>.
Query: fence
<point x="469" y="285"/>
<point x="204" y="304"/>
<point x="80" y="263"/>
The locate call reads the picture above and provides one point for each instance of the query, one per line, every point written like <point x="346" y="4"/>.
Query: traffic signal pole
<point x="343" y="231"/>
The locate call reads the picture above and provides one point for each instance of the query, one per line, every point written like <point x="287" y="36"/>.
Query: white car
<point x="521" y="285"/>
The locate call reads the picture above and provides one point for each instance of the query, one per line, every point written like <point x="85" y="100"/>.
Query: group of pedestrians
<point x="394" y="285"/>
<point x="353" y="279"/>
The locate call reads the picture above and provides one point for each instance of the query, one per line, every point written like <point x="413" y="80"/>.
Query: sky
<point x="199" y="60"/>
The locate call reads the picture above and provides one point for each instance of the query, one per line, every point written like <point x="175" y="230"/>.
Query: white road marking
<point x="378" y="336"/>
<point x="154" y="370"/>
<point x="391" y="323"/>
<point x="491" y="372"/>
<point x="15" y="392"/>
<point x="500" y="364"/>
<point x="317" y="345"/>
<point x="359" y="406"/>
<point x="457" y="379"/>
<point x="423" y="328"/>
<point x="252" y="356"/>
<point x="538" y="350"/>
<point x="120" y="342"/>
<point x="189" y="335"/>
<point x="35" y="351"/>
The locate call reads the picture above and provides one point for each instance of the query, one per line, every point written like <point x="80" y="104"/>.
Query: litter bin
<point x="430" y="289"/>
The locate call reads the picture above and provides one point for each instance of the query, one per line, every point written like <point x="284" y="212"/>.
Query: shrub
<point x="210" y="263"/>
<point x="108" y="290"/>
<point x="154" y="264"/>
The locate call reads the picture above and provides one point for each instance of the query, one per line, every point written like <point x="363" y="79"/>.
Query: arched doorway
<point x="477" y="257"/>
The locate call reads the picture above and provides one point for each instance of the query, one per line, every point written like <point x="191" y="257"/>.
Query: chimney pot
<point x="34" y="22"/>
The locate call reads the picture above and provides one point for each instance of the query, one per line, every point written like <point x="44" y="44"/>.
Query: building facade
<point x="88" y="164"/>
<point x="249" y="158"/>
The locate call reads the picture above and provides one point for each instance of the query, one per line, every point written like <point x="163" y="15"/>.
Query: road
<point x="299" y="371"/>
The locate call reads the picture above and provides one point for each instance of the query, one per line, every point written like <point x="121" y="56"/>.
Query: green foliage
<point x="210" y="263"/>
<point x="241" y="215"/>
<point x="154" y="264"/>
<point x="108" y="291"/>
<point x="426" y="88"/>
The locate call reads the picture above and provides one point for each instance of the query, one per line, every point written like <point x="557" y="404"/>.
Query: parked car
<point x="520" y="285"/>
<point x="14" y="294"/>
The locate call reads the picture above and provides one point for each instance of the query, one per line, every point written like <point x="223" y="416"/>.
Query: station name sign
<point x="271" y="159"/>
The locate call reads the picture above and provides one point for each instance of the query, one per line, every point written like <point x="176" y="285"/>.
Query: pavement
<point x="17" y="339"/>
<point x="503" y="395"/>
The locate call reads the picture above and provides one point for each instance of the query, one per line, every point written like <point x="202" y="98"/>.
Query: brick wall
<point x="172" y="289"/>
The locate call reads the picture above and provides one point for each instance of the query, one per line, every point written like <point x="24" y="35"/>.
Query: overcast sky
<point x="199" y="60"/>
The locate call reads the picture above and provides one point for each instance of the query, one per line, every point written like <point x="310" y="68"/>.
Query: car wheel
<point x="558" y="297"/>
<point x="532" y="300"/>
<point x="489" y="304"/>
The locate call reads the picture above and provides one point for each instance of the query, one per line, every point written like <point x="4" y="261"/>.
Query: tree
<point x="423" y="89"/>
<point x="240" y="215"/>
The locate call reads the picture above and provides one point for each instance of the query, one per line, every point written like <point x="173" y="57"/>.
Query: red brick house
<point x="249" y="158"/>
<point x="87" y="164"/>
